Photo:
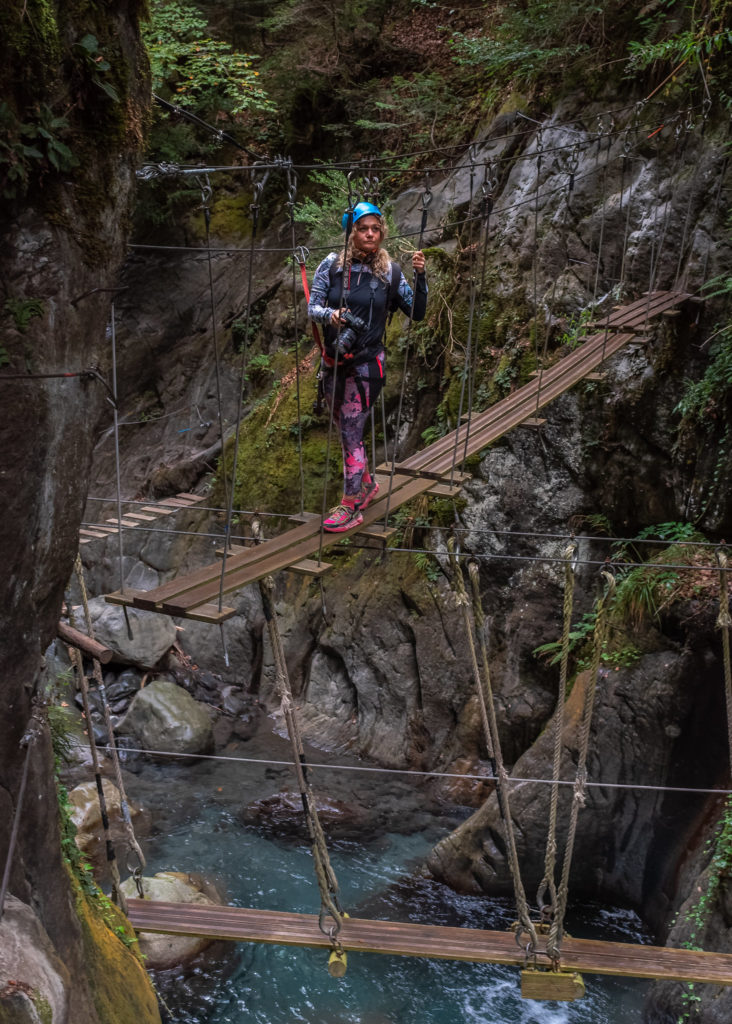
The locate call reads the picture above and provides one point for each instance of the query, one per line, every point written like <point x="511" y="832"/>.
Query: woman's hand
<point x="418" y="261"/>
<point x="335" y="317"/>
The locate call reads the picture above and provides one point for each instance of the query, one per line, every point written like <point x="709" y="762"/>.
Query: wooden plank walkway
<point x="196" y="595"/>
<point x="402" y="939"/>
<point x="636" y="316"/>
<point x="130" y="520"/>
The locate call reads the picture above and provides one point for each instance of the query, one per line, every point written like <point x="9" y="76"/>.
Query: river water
<point x="199" y="825"/>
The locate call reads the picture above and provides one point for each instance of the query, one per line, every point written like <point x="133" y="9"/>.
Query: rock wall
<point x="63" y="238"/>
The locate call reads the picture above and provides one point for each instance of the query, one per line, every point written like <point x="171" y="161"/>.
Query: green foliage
<point x="576" y="329"/>
<point x="428" y="565"/>
<point x="23" y="310"/>
<point x="706" y="400"/>
<point x="259" y="367"/>
<point x="664" y="40"/>
<point x="31" y="146"/>
<point x="202" y="74"/>
<point x="95" y="64"/>
<point x="536" y="38"/>
<point x="697" y="914"/>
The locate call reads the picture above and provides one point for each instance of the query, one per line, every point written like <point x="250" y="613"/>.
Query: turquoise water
<point x="198" y="828"/>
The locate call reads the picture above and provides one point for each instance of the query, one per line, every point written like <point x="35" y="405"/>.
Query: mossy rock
<point x="119" y="984"/>
<point x="268" y="465"/>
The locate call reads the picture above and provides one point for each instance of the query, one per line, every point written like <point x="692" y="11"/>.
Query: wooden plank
<point x="233" y="549"/>
<point x="310" y="567"/>
<point x="92" y="533"/>
<point x="560" y="985"/>
<point x="376" y="531"/>
<point x="440" y="942"/>
<point x="123" y="522"/>
<point x="210" y="613"/>
<point x="157" y="510"/>
<point x="174" y="503"/>
<point x="140" y="516"/>
<point x="444" y="491"/>
<point x="533" y="421"/>
<point x="192" y="499"/>
<point x="127" y="598"/>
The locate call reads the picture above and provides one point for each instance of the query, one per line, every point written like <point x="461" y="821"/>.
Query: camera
<point x="351" y="334"/>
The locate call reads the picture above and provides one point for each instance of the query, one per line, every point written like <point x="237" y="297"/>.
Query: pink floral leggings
<point x="355" y="394"/>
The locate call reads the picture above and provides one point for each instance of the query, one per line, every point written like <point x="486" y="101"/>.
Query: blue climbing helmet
<point x="360" y="210"/>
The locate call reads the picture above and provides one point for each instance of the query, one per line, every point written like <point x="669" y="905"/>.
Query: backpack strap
<point x="396" y="274"/>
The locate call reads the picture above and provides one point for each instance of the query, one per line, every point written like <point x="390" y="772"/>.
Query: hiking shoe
<point x="367" y="494"/>
<point x="341" y="518"/>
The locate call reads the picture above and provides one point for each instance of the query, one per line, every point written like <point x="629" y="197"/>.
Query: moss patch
<point x="268" y="468"/>
<point x="120" y="987"/>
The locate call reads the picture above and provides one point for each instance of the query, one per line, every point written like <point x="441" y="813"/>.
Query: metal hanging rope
<point x="425" y="203"/>
<point x="341" y="298"/>
<point x="258" y="183"/>
<point x="29" y="739"/>
<point x="291" y="195"/>
<point x="206" y="196"/>
<point x="467" y="366"/>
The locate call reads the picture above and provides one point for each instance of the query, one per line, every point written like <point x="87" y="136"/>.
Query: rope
<point x="578" y="798"/>
<point x="724" y="622"/>
<point x="206" y="195"/>
<point x="518" y="780"/>
<point x="291" y="194"/>
<point x="117" y="894"/>
<point x="426" y="200"/>
<point x="325" y="876"/>
<point x="134" y="846"/>
<point x="539" y="151"/>
<point x="468" y="366"/>
<point x="28" y="740"/>
<point x="600" y="134"/>
<point x="257" y="189"/>
<point x="332" y="404"/>
<point x="550" y="856"/>
<point x="220" y="135"/>
<point x="155" y="170"/>
<point x="490" y="726"/>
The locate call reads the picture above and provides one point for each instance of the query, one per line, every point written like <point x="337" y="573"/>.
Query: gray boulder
<point x="152" y="635"/>
<point x="165" y="717"/>
<point x="163" y="951"/>
<point x="40" y="982"/>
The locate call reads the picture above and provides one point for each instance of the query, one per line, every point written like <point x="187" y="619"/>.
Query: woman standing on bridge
<point x="352" y="296"/>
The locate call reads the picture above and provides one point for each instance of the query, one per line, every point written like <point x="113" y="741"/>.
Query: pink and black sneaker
<point x="342" y="518"/>
<point x="367" y="494"/>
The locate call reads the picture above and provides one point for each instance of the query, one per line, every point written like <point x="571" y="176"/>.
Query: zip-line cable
<point x="518" y="780"/>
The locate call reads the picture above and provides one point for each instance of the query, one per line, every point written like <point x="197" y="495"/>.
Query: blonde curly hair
<point x="381" y="262"/>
